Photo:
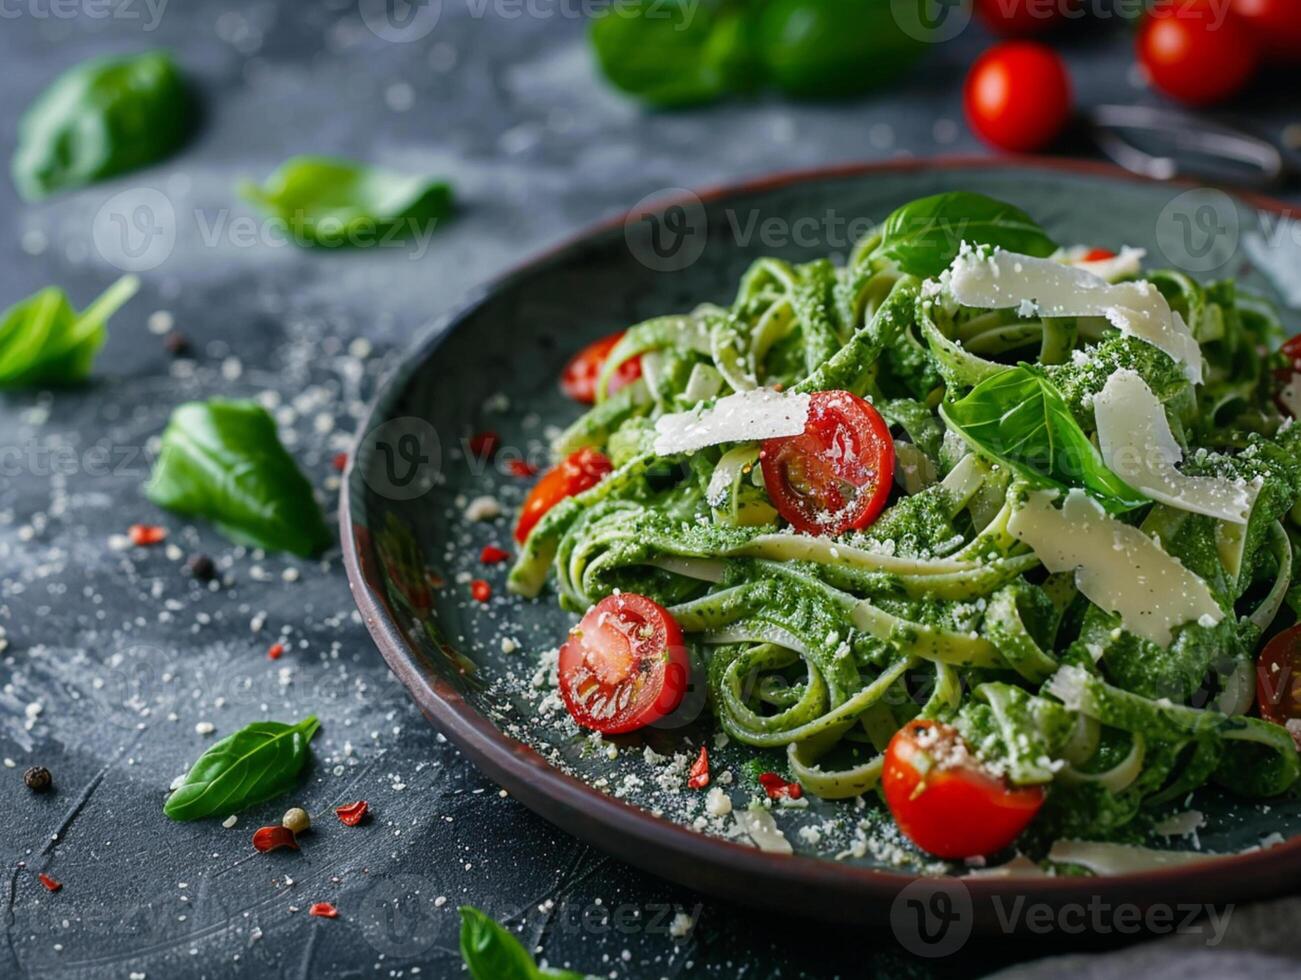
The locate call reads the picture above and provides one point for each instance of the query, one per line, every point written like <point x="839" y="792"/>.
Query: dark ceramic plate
<point x="411" y="549"/>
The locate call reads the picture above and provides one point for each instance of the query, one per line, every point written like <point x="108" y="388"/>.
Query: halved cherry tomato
<point x="624" y="666"/>
<point x="838" y="473"/>
<point x="1278" y="678"/>
<point x="578" y="472"/>
<point x="1275" y="25"/>
<point x="1018" y="96"/>
<point x="1196" y="51"/>
<point x="1098" y="255"/>
<point x="578" y="380"/>
<point x="1020" y="18"/>
<point x="945" y="801"/>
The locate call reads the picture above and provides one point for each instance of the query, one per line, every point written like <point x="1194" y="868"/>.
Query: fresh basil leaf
<point x="492" y="953"/>
<point x="101" y="118"/>
<point x="830" y="48"/>
<point x="675" y="52"/>
<point x="1020" y="419"/>
<point x="223" y="460"/>
<point x="43" y="340"/>
<point x="256" y="763"/>
<point x="925" y="235"/>
<point x="336" y="203"/>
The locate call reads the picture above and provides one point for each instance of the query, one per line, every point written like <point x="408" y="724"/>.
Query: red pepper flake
<point x="492" y="555"/>
<point x="146" y="534"/>
<point x="484" y="444"/>
<point x="269" y="838"/>
<point x="699" y="775"/>
<point x="480" y="590"/>
<point x="50" y="884"/>
<point x="351" y="814"/>
<point x="340" y="461"/>
<point x="323" y="910"/>
<point x="275" y="651"/>
<point x="776" y="787"/>
<point x="522" y="468"/>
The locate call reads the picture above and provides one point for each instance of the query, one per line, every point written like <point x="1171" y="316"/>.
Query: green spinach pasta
<point x="993" y="528"/>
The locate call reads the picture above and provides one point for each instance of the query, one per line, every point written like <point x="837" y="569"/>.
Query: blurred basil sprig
<point x="100" y="118"/>
<point x="672" y="53"/>
<point x="43" y="340"/>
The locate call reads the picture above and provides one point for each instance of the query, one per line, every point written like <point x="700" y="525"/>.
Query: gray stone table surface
<point x="115" y="662"/>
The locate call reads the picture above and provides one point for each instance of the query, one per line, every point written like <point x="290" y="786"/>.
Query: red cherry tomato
<point x="1099" y="255"/>
<point x="1196" y="51"/>
<point x="578" y="472"/>
<point x="625" y="666"/>
<point x="944" y="801"/>
<point x="1021" y="18"/>
<point x="578" y="380"/>
<point x="1018" y="96"/>
<point x="1278" y="678"/>
<point x="1275" y="25"/>
<point x="838" y="473"/>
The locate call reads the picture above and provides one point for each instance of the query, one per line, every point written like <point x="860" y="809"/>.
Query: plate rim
<point x="604" y="820"/>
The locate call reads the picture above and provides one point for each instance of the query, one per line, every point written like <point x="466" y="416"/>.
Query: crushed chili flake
<point x="480" y="590"/>
<point x="269" y="838"/>
<point x="776" y="787"/>
<point x="522" y="468"/>
<point x="699" y="775"/>
<point x="323" y="910"/>
<point x="146" y="534"/>
<point x="275" y="651"/>
<point x="340" y="461"/>
<point x="484" y="444"/>
<point x="49" y="883"/>
<point x="351" y="814"/>
<point x="492" y="555"/>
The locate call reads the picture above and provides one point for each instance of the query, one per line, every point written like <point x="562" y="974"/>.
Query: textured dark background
<point x="113" y="655"/>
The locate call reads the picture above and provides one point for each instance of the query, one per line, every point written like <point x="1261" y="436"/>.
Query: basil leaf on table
<point x="830" y="48"/>
<point x="43" y="340"/>
<point x="223" y="460"/>
<point x="1019" y="418"/>
<point x="924" y="236"/>
<point x="256" y="763"/>
<point x="335" y="203"/>
<point x="674" y="52"/>
<point x="101" y="118"/>
<point x="492" y="953"/>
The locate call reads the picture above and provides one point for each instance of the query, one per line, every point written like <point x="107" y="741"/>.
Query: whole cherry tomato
<point x="1196" y="51"/>
<point x="1276" y="27"/>
<point x="1018" y="96"/>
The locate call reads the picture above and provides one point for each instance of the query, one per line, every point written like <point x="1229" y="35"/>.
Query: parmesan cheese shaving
<point x="744" y="417"/>
<point x="1006" y="281"/>
<point x="1117" y="567"/>
<point x="761" y="828"/>
<point x="1137" y="445"/>
<point x="1116" y="859"/>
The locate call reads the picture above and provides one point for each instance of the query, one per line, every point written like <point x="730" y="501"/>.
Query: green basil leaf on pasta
<point x="223" y="460"/>
<point x="101" y="118"/>
<point x="1020" y="419"/>
<point x="334" y="203"/>
<point x="924" y="236"/>
<point x="492" y="953"/>
<point x="253" y="765"/>
<point x="44" y="341"/>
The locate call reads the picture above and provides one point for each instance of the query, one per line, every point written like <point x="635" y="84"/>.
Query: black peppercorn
<point x="176" y="343"/>
<point x="202" y="568"/>
<point x="38" y="779"/>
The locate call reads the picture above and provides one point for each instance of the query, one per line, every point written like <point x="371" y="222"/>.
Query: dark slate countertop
<point x="115" y="661"/>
